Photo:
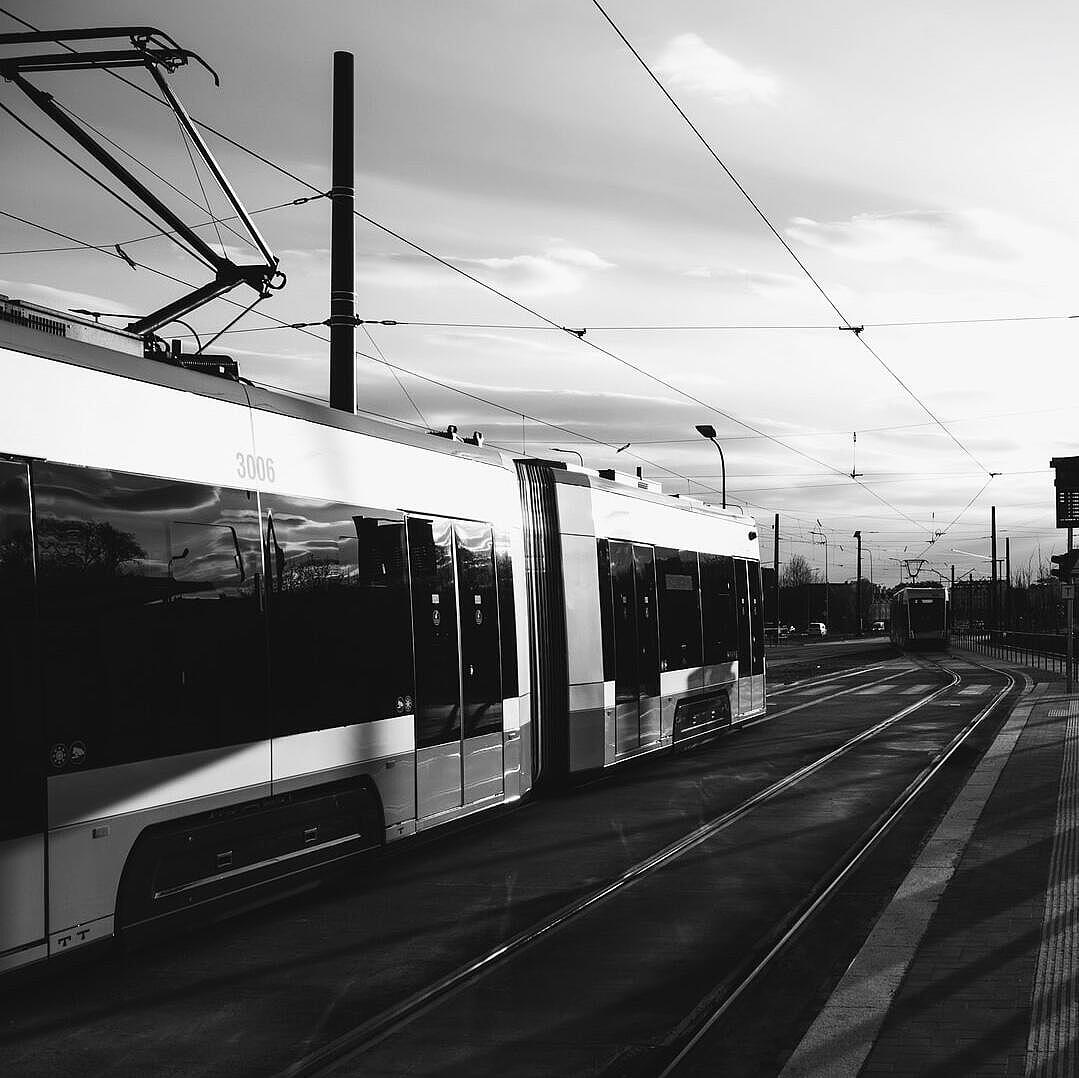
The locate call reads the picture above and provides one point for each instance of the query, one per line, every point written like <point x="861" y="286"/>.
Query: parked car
<point x="816" y="628"/>
<point x="877" y="627"/>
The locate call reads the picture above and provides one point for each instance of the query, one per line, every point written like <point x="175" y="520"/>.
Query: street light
<point x="706" y="430"/>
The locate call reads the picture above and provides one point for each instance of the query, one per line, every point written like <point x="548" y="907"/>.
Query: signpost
<point x="1067" y="505"/>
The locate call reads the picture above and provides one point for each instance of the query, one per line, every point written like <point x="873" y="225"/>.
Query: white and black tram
<point x="244" y="635"/>
<point x="920" y="617"/>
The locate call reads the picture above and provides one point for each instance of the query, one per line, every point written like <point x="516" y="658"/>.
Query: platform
<point x="971" y="969"/>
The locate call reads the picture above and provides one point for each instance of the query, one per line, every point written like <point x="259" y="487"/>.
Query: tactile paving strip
<point x="1054" y="1024"/>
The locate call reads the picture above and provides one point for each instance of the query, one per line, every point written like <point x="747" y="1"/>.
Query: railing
<point x="1044" y="651"/>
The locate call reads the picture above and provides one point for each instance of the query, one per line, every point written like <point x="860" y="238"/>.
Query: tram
<point x="921" y="617"/>
<point x="246" y="636"/>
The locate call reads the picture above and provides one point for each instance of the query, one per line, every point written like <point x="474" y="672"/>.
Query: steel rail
<point x="819" y="700"/>
<point x="840" y="872"/>
<point x="822" y="679"/>
<point x="367" y="1034"/>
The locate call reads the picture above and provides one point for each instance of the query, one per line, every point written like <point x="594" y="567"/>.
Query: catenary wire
<point x="396" y="377"/>
<point x="100" y="183"/>
<point x="789" y="514"/>
<point x="525" y="307"/>
<point x="405" y="370"/>
<point x="693" y="328"/>
<point x="198" y="178"/>
<point x="153" y="172"/>
<point x="531" y="311"/>
<point x="847" y="324"/>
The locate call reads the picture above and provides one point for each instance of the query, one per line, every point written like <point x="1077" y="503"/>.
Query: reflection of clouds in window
<point x="316" y="553"/>
<point x="340" y="624"/>
<point x="102" y="493"/>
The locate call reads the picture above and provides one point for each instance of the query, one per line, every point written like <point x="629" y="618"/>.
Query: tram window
<point x="718" y="608"/>
<point x="339" y="616"/>
<point x="741" y="589"/>
<point x="22" y="809"/>
<point x="507" y="619"/>
<point x="679" y="609"/>
<point x="606" y="608"/>
<point x="434" y="619"/>
<point x="756" y="615"/>
<point x="481" y="678"/>
<point x="135" y="668"/>
<point x="926" y="612"/>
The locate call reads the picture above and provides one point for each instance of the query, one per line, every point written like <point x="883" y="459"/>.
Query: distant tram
<point x="920" y="617"/>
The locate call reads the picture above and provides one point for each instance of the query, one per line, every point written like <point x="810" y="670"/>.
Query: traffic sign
<point x="1067" y="591"/>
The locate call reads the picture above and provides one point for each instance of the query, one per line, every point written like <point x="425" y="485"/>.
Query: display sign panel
<point x="1067" y="491"/>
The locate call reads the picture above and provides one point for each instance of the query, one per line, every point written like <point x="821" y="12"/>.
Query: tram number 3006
<point x="250" y="466"/>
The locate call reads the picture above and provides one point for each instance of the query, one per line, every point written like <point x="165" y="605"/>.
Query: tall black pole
<point x="343" y="240"/>
<point x="775" y="562"/>
<point x="1070" y="608"/>
<point x="858" y="586"/>
<point x="1008" y="581"/>
<point x="995" y="607"/>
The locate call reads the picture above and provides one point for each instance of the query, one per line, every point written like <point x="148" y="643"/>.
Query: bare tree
<point x="797" y="571"/>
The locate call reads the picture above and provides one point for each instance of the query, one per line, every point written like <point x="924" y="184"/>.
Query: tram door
<point x="636" y="645"/>
<point x="22" y="748"/>
<point x="745" y="635"/>
<point x="458" y="668"/>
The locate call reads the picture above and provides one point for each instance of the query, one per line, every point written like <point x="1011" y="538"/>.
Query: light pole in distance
<point x="706" y="430"/>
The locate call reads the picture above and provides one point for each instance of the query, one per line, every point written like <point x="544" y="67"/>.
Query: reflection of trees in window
<point x="14" y="552"/>
<point x="88" y="546"/>
<point x="132" y="670"/>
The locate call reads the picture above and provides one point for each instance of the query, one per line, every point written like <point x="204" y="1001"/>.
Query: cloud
<point x="557" y="270"/>
<point x="936" y="236"/>
<point x="756" y="281"/>
<point x="689" y="63"/>
<point x="62" y="298"/>
<point x="529" y="275"/>
<point x="486" y="341"/>
<point x="578" y="256"/>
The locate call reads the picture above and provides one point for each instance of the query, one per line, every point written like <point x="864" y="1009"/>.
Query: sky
<point x="919" y="161"/>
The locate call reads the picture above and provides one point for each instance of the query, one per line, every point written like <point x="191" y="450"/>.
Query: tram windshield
<point x="926" y="612"/>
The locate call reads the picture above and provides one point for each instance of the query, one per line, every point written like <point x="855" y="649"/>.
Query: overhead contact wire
<point x="790" y="250"/>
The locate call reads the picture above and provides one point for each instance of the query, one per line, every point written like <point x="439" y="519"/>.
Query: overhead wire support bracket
<point x="157" y="52"/>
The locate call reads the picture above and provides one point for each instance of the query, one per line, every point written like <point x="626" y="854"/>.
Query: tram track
<point x="303" y="984"/>
<point x="822" y="679"/>
<point x="368" y="1034"/>
<point x="688" y="1038"/>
